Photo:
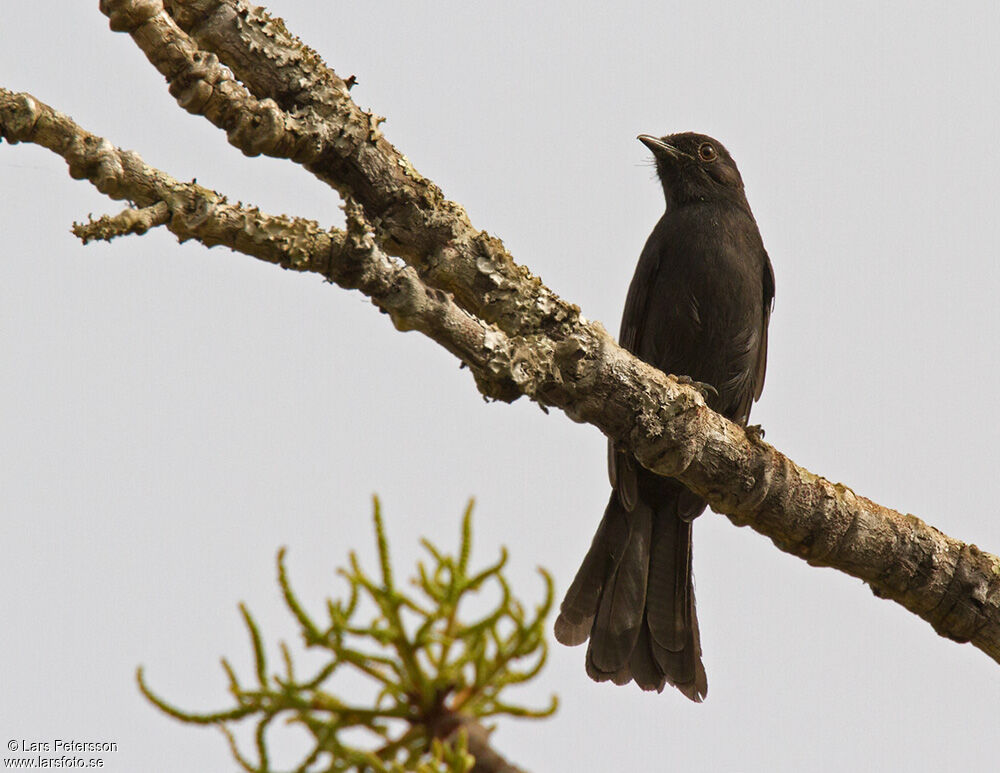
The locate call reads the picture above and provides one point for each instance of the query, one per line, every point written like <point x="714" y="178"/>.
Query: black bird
<point x="698" y="306"/>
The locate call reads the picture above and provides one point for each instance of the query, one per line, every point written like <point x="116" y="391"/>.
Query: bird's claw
<point x="755" y="432"/>
<point x="704" y="388"/>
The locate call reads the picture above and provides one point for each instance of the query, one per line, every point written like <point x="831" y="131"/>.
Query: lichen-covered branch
<point x="288" y="104"/>
<point x="128" y="221"/>
<point x="349" y="258"/>
<point x="462" y="289"/>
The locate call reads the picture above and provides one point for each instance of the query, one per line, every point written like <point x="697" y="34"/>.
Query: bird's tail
<point x="633" y="598"/>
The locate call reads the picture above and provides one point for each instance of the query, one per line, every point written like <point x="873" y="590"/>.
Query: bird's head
<point x="694" y="167"/>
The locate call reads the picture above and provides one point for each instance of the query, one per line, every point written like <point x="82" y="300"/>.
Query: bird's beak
<point x="658" y="146"/>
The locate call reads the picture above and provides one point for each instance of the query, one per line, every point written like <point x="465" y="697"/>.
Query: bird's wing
<point x="634" y="313"/>
<point x="761" y="368"/>
<point x="622" y="467"/>
<point x="748" y="355"/>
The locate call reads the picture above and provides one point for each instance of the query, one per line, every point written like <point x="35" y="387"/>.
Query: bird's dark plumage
<point x="698" y="306"/>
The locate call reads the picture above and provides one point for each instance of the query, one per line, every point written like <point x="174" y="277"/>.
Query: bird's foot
<point x="704" y="388"/>
<point x="755" y="432"/>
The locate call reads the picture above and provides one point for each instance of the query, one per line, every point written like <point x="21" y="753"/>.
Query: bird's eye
<point x="707" y="152"/>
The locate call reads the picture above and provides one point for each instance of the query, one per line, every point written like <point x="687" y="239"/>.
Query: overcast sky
<point x="172" y="415"/>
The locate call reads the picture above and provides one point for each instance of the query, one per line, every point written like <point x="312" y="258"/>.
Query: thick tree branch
<point x="516" y="335"/>
<point x="292" y="106"/>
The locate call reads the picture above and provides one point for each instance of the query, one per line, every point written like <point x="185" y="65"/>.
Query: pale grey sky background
<point x="172" y="415"/>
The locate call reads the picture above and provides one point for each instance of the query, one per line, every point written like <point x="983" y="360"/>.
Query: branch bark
<point x="247" y="74"/>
